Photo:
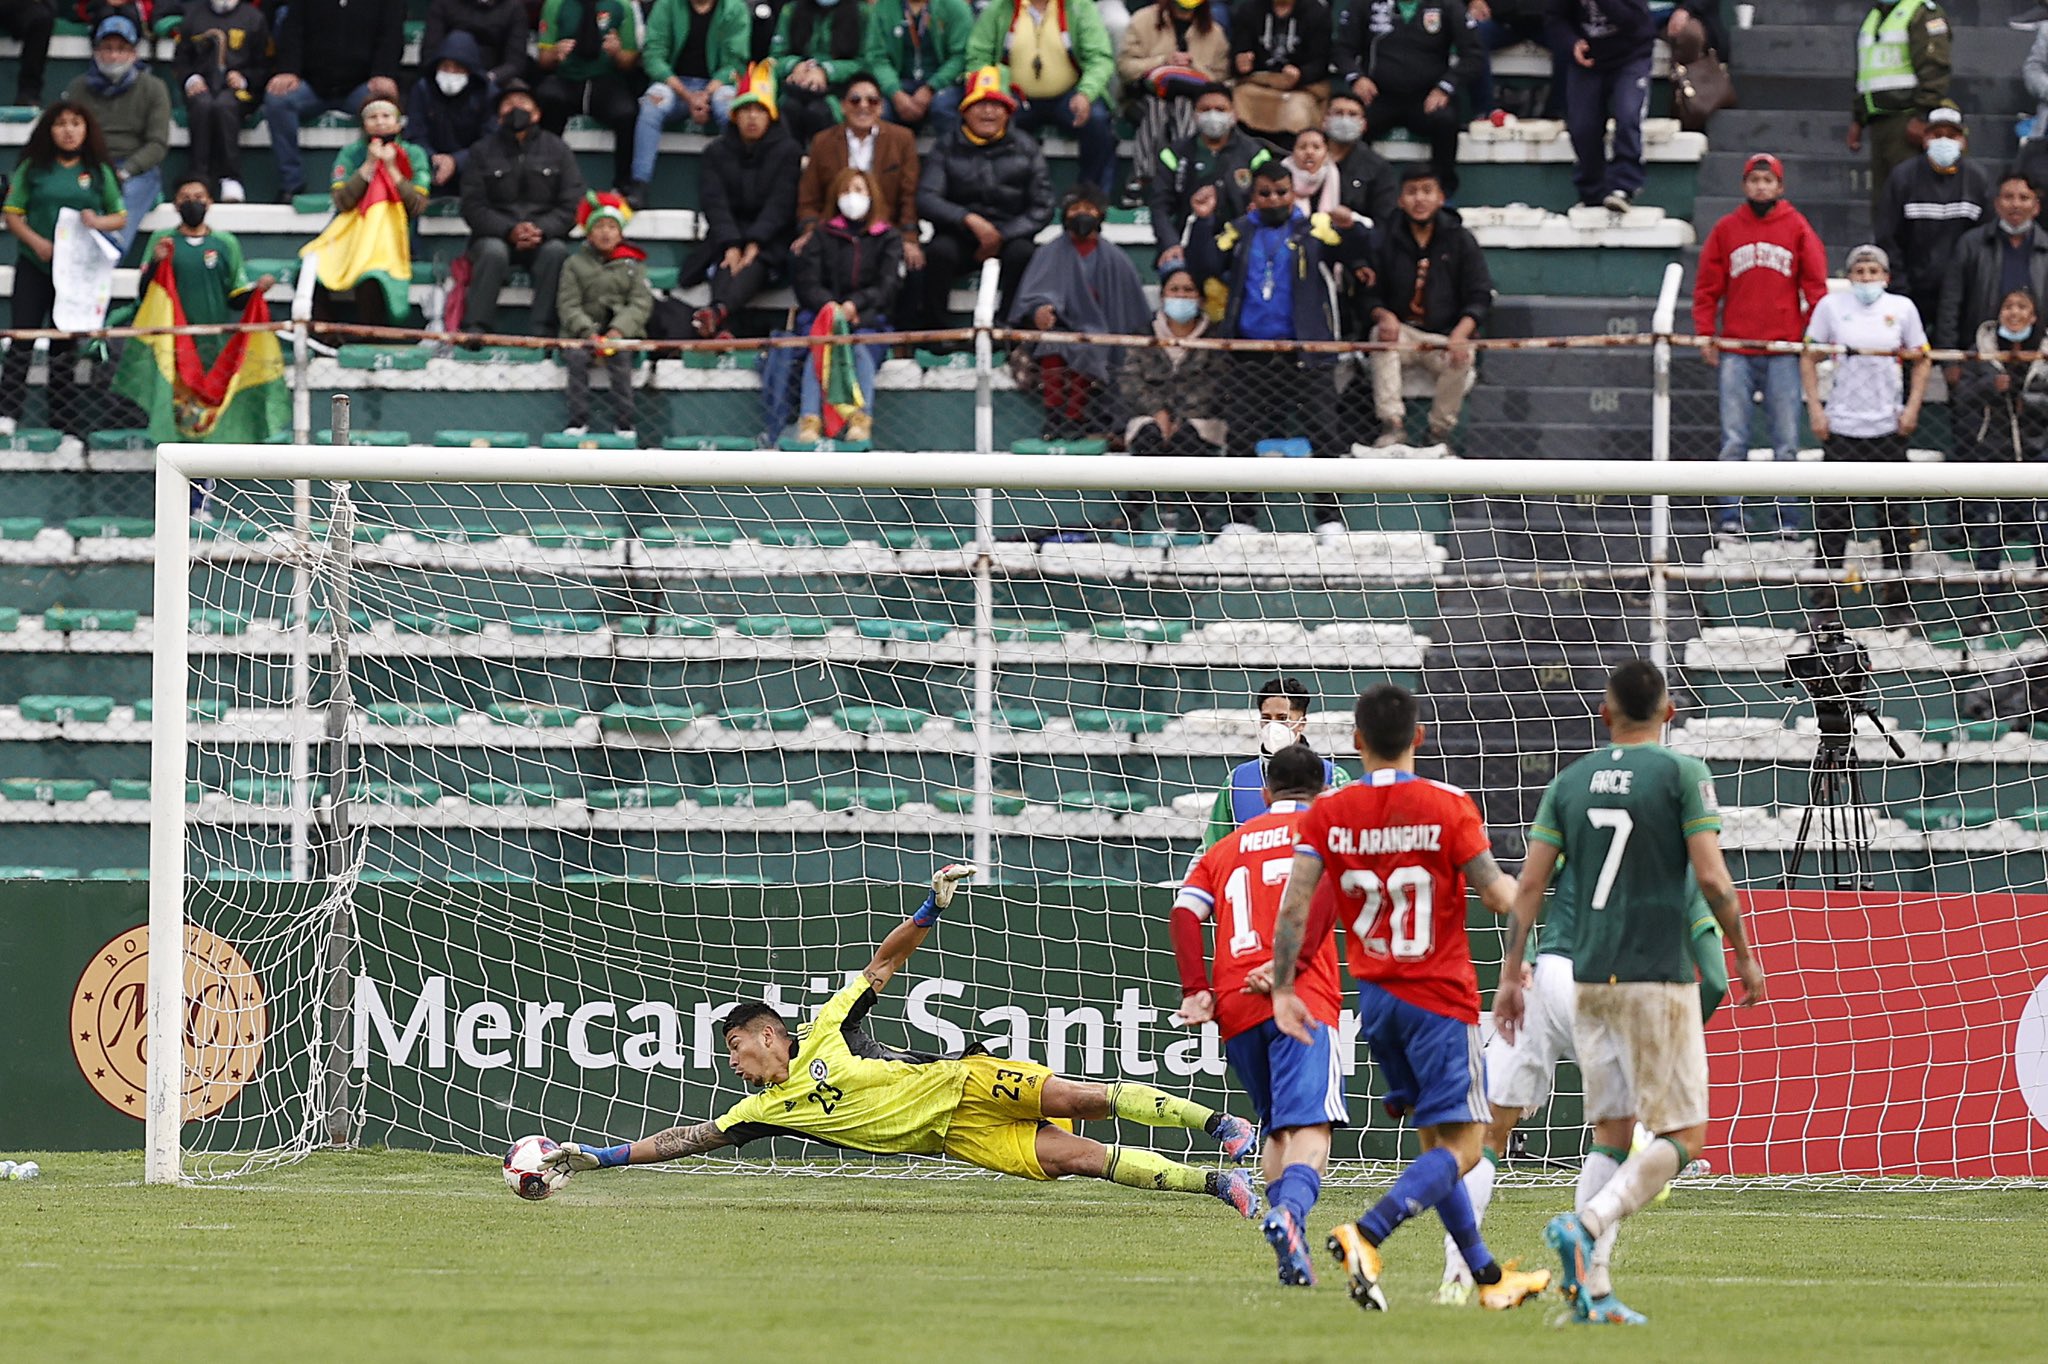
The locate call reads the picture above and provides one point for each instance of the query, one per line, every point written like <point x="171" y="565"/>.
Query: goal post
<point x="635" y="733"/>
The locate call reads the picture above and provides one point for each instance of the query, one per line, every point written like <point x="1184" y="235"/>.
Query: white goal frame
<point x="179" y="466"/>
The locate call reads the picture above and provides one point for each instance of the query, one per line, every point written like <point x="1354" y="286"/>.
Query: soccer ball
<point x="524" y="1173"/>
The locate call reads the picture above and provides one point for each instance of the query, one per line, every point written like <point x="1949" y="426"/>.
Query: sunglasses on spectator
<point x="863" y="99"/>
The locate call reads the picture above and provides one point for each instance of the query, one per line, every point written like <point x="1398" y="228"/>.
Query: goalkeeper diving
<point x="829" y="1082"/>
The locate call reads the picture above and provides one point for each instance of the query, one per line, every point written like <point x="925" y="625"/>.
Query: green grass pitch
<point x="381" y="1256"/>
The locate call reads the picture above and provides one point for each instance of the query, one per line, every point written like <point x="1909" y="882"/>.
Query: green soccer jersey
<point x="1621" y="816"/>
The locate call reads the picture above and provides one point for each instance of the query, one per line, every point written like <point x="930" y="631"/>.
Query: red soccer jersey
<point x="1393" y="845"/>
<point x="1239" y="882"/>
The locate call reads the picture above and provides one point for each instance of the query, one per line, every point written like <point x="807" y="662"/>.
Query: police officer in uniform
<point x="1902" y="72"/>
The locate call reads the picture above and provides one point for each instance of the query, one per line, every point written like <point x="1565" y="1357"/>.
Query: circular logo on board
<point x="226" y="1021"/>
<point x="2030" y="1053"/>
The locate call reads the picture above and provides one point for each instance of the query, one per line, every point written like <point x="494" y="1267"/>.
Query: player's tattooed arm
<point x="676" y="1142"/>
<point x="1490" y="884"/>
<point x="1292" y="921"/>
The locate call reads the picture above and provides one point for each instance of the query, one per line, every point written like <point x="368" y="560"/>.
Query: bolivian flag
<point x="371" y="241"/>
<point x="834" y="367"/>
<point x="241" y="396"/>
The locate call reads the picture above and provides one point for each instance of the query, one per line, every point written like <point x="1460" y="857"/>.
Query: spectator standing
<point x="519" y="196"/>
<point x="2001" y="416"/>
<point x="1902" y="74"/>
<point x="1281" y="264"/>
<point x="29" y="22"/>
<point x="1057" y="58"/>
<point x="1928" y="204"/>
<point x="885" y="153"/>
<point x="589" y="59"/>
<point x="695" y="52"/>
<point x="926" y="43"/>
<point x="1169" y="55"/>
<point x="1503" y="23"/>
<point x="604" y="296"/>
<point x="132" y="110"/>
<point x="1076" y="284"/>
<point x="331" y="54"/>
<point x="500" y="27"/>
<point x="1864" y="420"/>
<point x="986" y="192"/>
<point x="749" y="184"/>
<point x="1611" y="42"/>
<point x="852" y="260"/>
<point x="452" y="108"/>
<point x="1368" y="183"/>
<point x="1760" y="273"/>
<point x="63" y="165"/>
<point x="1316" y="187"/>
<point x="1404" y="60"/>
<point x="1175" y="393"/>
<point x="1989" y="262"/>
<point x="820" y="45"/>
<point x="1280" y="58"/>
<point x="221" y="63"/>
<point x="1431" y="285"/>
<point x="1219" y="155"/>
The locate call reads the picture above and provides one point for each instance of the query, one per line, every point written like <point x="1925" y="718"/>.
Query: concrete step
<point x="1494" y="404"/>
<point x="1571" y="440"/>
<point x="1841" y="222"/>
<point x="1786" y="131"/>
<point x="1552" y="315"/>
<point x="1585" y="369"/>
<point x="1830" y="50"/>
<point x="1839" y="174"/>
<point x="1848" y="15"/>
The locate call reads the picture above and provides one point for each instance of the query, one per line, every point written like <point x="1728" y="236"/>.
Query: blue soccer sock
<point x="1424" y="1184"/>
<point x="1462" y="1222"/>
<point x="1297" y="1189"/>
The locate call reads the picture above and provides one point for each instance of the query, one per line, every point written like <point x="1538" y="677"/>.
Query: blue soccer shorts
<point x="1290" y="1084"/>
<point x="1433" y="1065"/>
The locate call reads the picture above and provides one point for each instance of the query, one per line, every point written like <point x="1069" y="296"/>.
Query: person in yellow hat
<point x="986" y="192"/>
<point x="748" y="189"/>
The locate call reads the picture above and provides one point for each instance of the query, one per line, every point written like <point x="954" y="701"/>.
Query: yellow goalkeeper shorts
<point x="1001" y="1109"/>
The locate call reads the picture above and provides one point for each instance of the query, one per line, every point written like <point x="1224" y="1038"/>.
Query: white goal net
<point x="493" y="791"/>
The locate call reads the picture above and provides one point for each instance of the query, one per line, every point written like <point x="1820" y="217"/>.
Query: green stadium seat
<point x="236" y="530"/>
<point x="1030" y="631"/>
<point x="38" y="873"/>
<point x="742" y="797"/>
<point x="1008" y="717"/>
<point x="901" y="538"/>
<point x="1971" y="732"/>
<point x="325" y="436"/>
<point x="237" y="874"/>
<point x="118" y="874"/>
<point x="407" y="713"/>
<point x="513" y="793"/>
<point x="557" y="623"/>
<point x="67" y="710"/>
<point x="316" y="202"/>
<point x="10" y="619"/>
<point x="1142" y="631"/>
<point x="958" y="359"/>
<point x="205" y="621"/>
<point x="462" y="532"/>
<point x="463" y="437"/>
<point x="322" y="619"/>
<point x="19" y="113"/>
<point x="1005" y="803"/>
<point x="589" y="440"/>
<point x="880" y="798"/>
<point x="664" y="536"/>
<point x="620" y="718"/>
<point x="783" y="627"/>
<point x="580" y="536"/>
<point x="40" y="440"/>
<point x="1947" y="818"/>
<point x="634" y="797"/>
<point x="1060" y="447"/>
<point x="270" y="791"/>
<point x="2034" y="818"/>
<point x="501" y="355"/>
<point x="47" y="790"/>
<point x="407" y="794"/>
<point x="708" y="442"/>
<point x="800" y="537"/>
<point x="1112" y="801"/>
<point x="210" y="711"/>
<point x="358" y="355"/>
<point x="436" y="623"/>
<point x="20" y="527"/>
<point x="920" y="631"/>
<point x="879" y="719"/>
<point x="115" y="439"/>
<point x="387" y="876"/>
<point x="755" y="719"/>
<point x="663" y="278"/>
<point x="727" y="359"/>
<point x="666" y="627"/>
<point x="1119" y="721"/>
<point x="533" y="717"/>
<point x="68" y="618"/>
<point x="285" y="268"/>
<point x="137" y="788"/>
<point x="110" y="527"/>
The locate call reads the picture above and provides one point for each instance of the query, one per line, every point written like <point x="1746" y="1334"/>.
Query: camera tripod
<point x="1834" y="792"/>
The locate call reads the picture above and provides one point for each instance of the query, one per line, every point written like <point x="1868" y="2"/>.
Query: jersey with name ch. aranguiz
<point x="1396" y="846"/>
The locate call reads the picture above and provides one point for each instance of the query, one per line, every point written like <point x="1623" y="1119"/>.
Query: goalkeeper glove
<point x="574" y="1157"/>
<point x="945" y="881"/>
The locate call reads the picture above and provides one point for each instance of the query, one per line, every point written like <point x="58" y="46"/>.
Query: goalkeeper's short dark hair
<point x="1637" y="690"/>
<point x="748" y="1013"/>
<point x="1289" y="687"/>
<point x="1296" y="770"/>
<point x="1386" y="716"/>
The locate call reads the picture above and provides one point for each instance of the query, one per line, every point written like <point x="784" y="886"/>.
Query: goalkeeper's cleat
<point x="1516" y="1287"/>
<point x="1454" y="1292"/>
<point x="1235" y="1188"/>
<point x="1238" y="1138"/>
<point x="1283" y="1233"/>
<point x="947" y="879"/>
<point x="1608" y="1310"/>
<point x="1574" y="1246"/>
<point x="1361" y="1261"/>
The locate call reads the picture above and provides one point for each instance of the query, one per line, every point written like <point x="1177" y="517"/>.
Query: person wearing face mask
<point x="221" y="63"/>
<point x="1902" y="75"/>
<point x="1078" y="283"/>
<point x="1220" y="156"/>
<point x="1175" y="395"/>
<point x="1864" y="419"/>
<point x="886" y="153"/>
<point x="132" y="109"/>
<point x="501" y="29"/>
<point x="1761" y="272"/>
<point x="1929" y="203"/>
<point x="1990" y="261"/>
<point x="451" y="109"/>
<point x="1279" y="262"/>
<point x="1171" y="53"/>
<point x="852" y="262"/>
<point x="519" y="196"/>
<point x="2001" y="416"/>
<point x="1367" y="182"/>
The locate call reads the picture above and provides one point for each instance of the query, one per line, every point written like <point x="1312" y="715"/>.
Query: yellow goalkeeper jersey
<point x="847" y="1090"/>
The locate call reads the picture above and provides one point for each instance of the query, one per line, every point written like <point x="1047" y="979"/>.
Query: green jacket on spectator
<point x="600" y="294"/>
<point x="1093" y="53"/>
<point x="944" y="59"/>
<point x="873" y="57"/>
<point x="725" y="48"/>
<point x="566" y="19"/>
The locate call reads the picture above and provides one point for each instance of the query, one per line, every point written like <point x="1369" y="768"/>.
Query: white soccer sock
<point x="1598" y="1171"/>
<point x="1479" y="1188"/>
<point x="1631" y="1190"/>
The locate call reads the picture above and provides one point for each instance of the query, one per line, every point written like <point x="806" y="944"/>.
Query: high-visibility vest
<point x="1884" y="56"/>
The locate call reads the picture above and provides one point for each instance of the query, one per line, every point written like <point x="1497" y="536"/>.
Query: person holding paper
<point x="64" y="165"/>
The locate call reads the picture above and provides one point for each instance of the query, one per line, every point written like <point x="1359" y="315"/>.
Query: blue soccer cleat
<point x="1235" y="1188"/>
<point x="1238" y="1138"/>
<point x="1283" y="1233"/>
<point x="1574" y="1246"/>
<point x="1608" y="1310"/>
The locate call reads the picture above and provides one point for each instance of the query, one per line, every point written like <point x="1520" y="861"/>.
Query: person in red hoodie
<point x="1760" y="273"/>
